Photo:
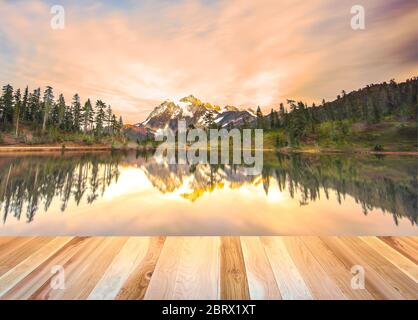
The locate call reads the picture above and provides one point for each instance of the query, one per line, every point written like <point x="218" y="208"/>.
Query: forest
<point x="374" y="115"/>
<point x="36" y="117"/>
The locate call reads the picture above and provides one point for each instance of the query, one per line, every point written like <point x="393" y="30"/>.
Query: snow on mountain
<point x="193" y="111"/>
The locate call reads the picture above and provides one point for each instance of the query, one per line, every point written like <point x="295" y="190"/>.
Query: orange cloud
<point x="232" y="52"/>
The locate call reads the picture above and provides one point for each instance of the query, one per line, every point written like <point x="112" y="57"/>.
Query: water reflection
<point x="37" y="183"/>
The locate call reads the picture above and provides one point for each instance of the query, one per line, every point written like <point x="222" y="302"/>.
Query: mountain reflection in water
<point x="134" y="194"/>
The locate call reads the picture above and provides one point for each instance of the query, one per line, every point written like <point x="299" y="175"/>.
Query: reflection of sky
<point x="132" y="206"/>
<point x="134" y="54"/>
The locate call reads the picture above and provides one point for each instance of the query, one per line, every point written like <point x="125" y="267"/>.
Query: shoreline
<point x="60" y="148"/>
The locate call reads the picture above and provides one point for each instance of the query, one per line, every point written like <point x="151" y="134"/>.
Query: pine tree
<point x="114" y="125"/>
<point x="17" y="107"/>
<point x="120" y="126"/>
<point x="76" y="110"/>
<point x="100" y="117"/>
<point x="272" y="122"/>
<point x="109" y="117"/>
<point x="68" y="123"/>
<point x="34" y="106"/>
<point x="25" y="102"/>
<point x="260" y="119"/>
<point x="61" y="111"/>
<point x="6" y="105"/>
<point x="88" y="116"/>
<point x="47" y="104"/>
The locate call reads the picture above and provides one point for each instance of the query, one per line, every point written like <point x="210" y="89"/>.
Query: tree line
<point x="371" y="105"/>
<point x="41" y="111"/>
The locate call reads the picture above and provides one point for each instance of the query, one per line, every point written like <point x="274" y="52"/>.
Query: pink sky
<point x="244" y="53"/>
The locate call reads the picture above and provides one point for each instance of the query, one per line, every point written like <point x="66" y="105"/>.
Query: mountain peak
<point x="192" y="99"/>
<point x="193" y="110"/>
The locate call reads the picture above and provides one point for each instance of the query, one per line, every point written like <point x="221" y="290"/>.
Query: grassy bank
<point x="346" y="136"/>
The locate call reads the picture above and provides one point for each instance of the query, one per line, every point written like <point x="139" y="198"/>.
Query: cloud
<point x="226" y="52"/>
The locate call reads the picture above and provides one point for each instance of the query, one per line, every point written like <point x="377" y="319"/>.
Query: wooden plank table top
<point x="208" y="267"/>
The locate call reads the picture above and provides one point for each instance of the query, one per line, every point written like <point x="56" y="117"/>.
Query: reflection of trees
<point x="388" y="183"/>
<point x="27" y="183"/>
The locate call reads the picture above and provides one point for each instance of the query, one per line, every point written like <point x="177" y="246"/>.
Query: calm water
<point x="134" y="194"/>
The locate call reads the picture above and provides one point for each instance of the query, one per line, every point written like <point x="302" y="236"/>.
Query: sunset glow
<point x="135" y="54"/>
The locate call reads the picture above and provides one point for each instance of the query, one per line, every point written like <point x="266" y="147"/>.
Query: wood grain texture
<point x="288" y="278"/>
<point x="404" y="245"/>
<point x="335" y="268"/>
<point x="374" y="282"/>
<point x="198" y="269"/>
<point x="207" y="267"/>
<point x="234" y="284"/>
<point x="261" y="282"/>
<point x="137" y="283"/>
<point x="18" y="272"/>
<point x="162" y="284"/>
<point x="392" y="275"/>
<point x="399" y="260"/>
<point x="37" y="283"/>
<point x="321" y="285"/>
<point x="131" y="254"/>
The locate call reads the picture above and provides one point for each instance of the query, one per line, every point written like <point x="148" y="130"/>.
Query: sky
<point x="136" y="54"/>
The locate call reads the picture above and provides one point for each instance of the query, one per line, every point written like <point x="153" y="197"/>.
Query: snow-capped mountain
<point x="194" y="112"/>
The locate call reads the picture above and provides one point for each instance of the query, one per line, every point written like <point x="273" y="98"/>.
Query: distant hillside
<point x="386" y="110"/>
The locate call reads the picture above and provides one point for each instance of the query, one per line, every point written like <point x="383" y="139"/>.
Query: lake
<point x="134" y="193"/>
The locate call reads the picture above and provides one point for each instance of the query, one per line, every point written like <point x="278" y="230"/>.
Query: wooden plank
<point x="5" y="240"/>
<point x="198" y="270"/>
<point x="396" y="258"/>
<point x="137" y="283"/>
<point x="8" y="250"/>
<point x="290" y="282"/>
<point x="88" y="272"/>
<point x="36" y="284"/>
<point x="261" y="282"/>
<point x="162" y="284"/>
<point x="335" y="268"/>
<point x="392" y="275"/>
<point x="22" y="251"/>
<point x="404" y="247"/>
<point x="321" y="285"/>
<point x="84" y="269"/>
<point x="374" y="282"/>
<point x="16" y="274"/>
<point x="234" y="283"/>
<point x="131" y="255"/>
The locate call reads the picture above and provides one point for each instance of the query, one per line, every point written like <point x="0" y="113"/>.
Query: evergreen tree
<point x="48" y="101"/>
<point x="34" y="106"/>
<point x="17" y="108"/>
<point x="120" y="126"/>
<point x="114" y="125"/>
<point x="76" y="110"/>
<point x="88" y="116"/>
<point x="100" y="117"/>
<point x="61" y="108"/>
<point x="6" y="105"/>
<point x="25" y="102"/>
<point x="68" y="123"/>
<point x="109" y="117"/>
<point x="272" y="122"/>
<point x="260" y="119"/>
